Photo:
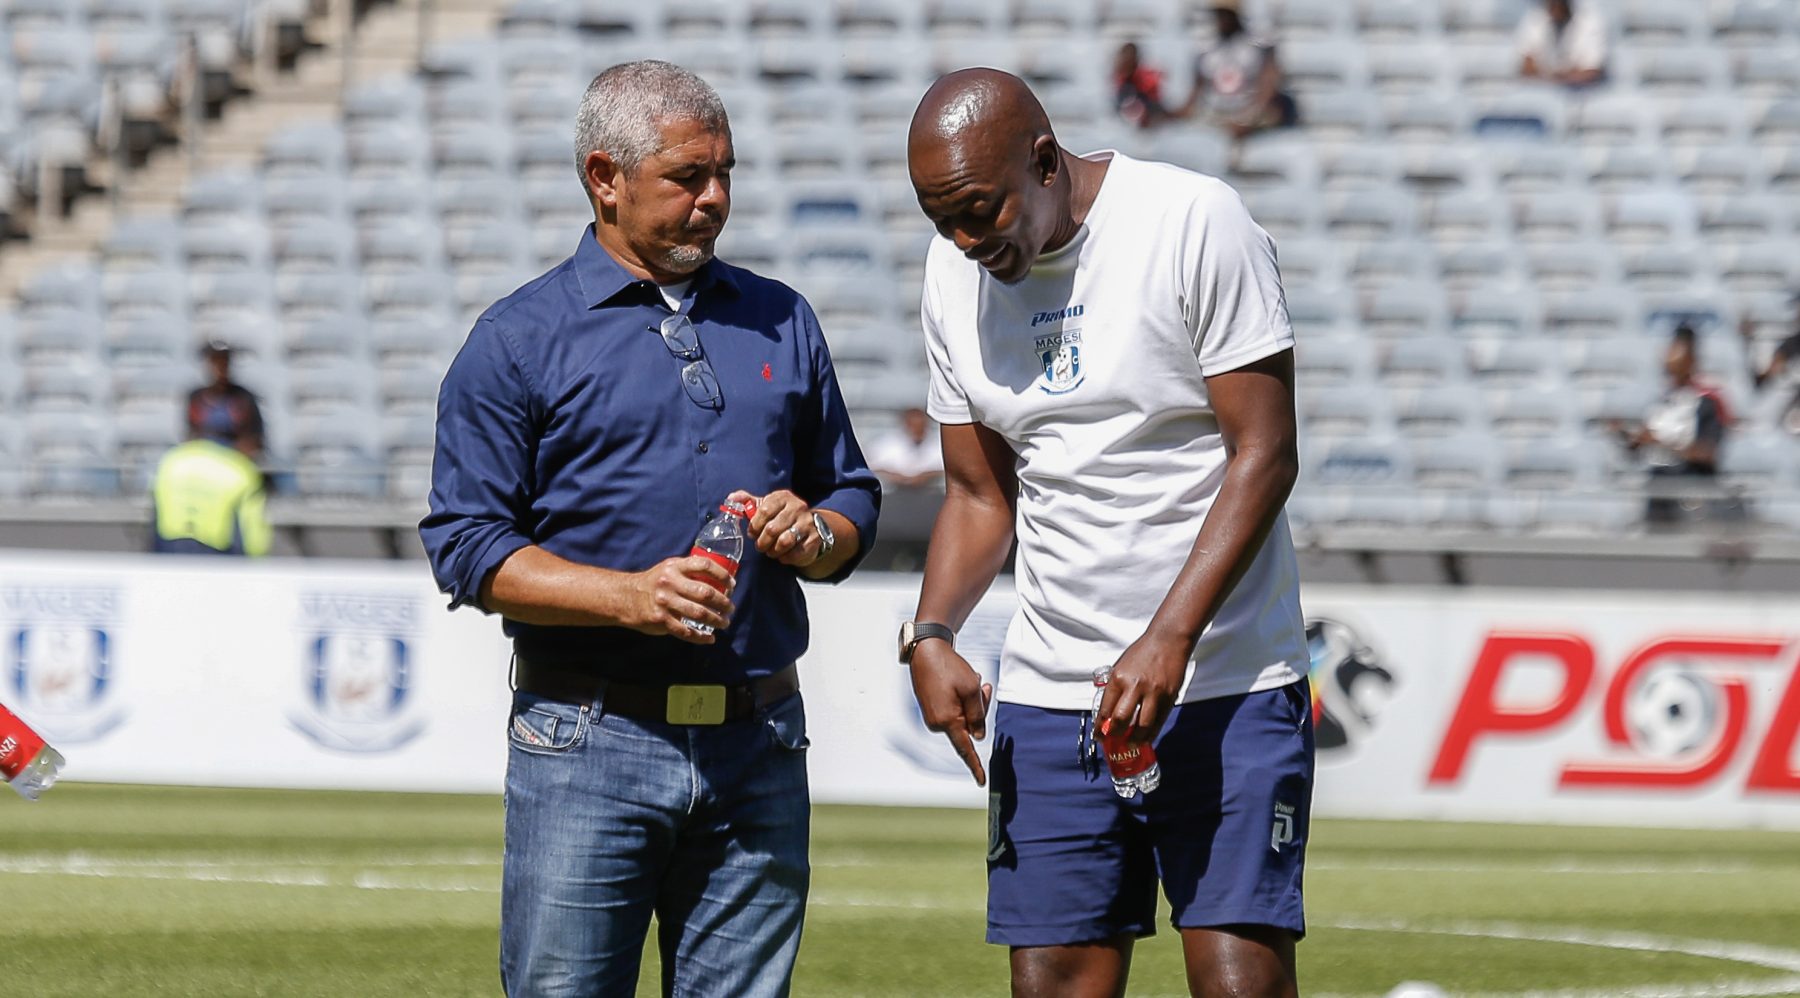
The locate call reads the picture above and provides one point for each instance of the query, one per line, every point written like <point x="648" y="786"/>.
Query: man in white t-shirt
<point x="1112" y="363"/>
<point x="1237" y="82"/>
<point x="1563" y="43"/>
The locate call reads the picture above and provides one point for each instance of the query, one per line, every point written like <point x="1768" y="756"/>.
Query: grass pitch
<point x="126" y="891"/>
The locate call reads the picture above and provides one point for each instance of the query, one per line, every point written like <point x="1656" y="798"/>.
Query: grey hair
<point x="624" y="108"/>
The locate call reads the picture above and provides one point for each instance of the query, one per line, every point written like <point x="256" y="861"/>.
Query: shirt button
<point x="704" y="447"/>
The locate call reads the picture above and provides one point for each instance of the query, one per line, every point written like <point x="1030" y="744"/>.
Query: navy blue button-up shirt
<point x="563" y="423"/>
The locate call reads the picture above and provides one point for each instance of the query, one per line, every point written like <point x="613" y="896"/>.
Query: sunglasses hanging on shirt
<point x="697" y="377"/>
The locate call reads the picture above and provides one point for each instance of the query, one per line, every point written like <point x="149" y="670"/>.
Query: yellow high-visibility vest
<point x="208" y="495"/>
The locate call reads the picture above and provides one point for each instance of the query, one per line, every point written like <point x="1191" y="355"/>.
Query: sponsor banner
<point x="1564" y="707"/>
<point x="221" y="672"/>
<point x="1603" y="708"/>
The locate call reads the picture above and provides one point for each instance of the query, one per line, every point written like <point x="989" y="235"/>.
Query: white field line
<point x="1770" y="957"/>
<point x="366" y="878"/>
<point x="71" y="862"/>
<point x="1624" y="867"/>
<point x="1747" y="953"/>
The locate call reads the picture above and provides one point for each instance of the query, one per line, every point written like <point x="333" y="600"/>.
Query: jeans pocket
<point x="546" y="727"/>
<point x="786" y="722"/>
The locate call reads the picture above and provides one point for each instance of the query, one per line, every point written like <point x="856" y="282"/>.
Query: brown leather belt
<point x="677" y="704"/>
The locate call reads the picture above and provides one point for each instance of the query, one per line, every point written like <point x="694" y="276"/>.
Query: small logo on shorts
<point x="1283" y="832"/>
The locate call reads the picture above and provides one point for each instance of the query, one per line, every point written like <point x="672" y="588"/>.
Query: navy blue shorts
<point x="1069" y="861"/>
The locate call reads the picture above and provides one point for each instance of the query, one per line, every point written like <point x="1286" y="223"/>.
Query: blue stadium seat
<point x="1724" y="169"/>
<point x="152" y="293"/>
<point x="149" y="341"/>
<point x="151" y="242"/>
<point x="1413" y="21"/>
<point x="223" y="194"/>
<point x="1556" y="464"/>
<point x="1496" y="311"/>
<point x="1350" y="410"/>
<point x="1644" y="22"/>
<point x="1356" y="460"/>
<point x="1459" y="459"/>
<point x="1426" y="359"/>
<point x="316" y="150"/>
<point x="1533" y="411"/>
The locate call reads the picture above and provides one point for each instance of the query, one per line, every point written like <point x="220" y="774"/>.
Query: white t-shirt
<point x="1580" y="45"/>
<point x="1093" y="368"/>
<point x="673" y="293"/>
<point x="1231" y="70"/>
<point x="896" y="454"/>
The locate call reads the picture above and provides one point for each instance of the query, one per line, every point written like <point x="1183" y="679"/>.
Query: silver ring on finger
<point x="794" y="531"/>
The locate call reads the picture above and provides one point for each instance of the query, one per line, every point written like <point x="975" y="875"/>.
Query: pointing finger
<point x="965" y="747"/>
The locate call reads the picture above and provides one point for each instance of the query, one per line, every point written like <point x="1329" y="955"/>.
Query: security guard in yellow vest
<point x="209" y="499"/>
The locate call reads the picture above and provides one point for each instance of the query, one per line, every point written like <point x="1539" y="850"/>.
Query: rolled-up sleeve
<point x="830" y="471"/>
<point x="480" y="467"/>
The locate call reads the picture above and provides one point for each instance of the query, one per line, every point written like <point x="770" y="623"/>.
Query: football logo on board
<point x="358" y="671"/>
<point x="60" y="659"/>
<point x="1349" y="685"/>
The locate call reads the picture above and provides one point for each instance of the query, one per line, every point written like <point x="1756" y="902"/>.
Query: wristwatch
<point x="912" y="632"/>
<point x="827" y="539"/>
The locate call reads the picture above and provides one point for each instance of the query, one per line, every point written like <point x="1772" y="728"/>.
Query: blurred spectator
<point x="223" y="410"/>
<point x="1781" y="372"/>
<point x="1563" y="43"/>
<point x="208" y="498"/>
<point x="910" y="457"/>
<point x="1137" y="89"/>
<point x="1683" y="432"/>
<point x="1237" y="82"/>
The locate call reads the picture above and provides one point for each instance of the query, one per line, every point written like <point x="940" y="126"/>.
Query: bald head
<point x="985" y="165"/>
<point x="983" y="108"/>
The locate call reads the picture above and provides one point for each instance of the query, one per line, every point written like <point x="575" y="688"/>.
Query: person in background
<point x="1683" y="432"/>
<point x="1137" y="89"/>
<point x="222" y="410"/>
<point x="1563" y="41"/>
<point x="1237" y="82"/>
<point x="208" y="497"/>
<point x="1781" y="371"/>
<point x="911" y="457"/>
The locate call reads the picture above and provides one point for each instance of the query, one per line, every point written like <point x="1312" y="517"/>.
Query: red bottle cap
<point x="745" y="508"/>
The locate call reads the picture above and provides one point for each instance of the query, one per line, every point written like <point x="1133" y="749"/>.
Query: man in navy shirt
<point x="591" y="423"/>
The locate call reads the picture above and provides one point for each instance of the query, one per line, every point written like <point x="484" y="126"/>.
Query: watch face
<point x="906" y="636"/>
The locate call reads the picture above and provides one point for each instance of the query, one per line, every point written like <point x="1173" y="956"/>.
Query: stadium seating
<point x="1475" y="267"/>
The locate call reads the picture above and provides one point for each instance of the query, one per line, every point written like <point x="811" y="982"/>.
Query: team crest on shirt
<point x="1060" y="353"/>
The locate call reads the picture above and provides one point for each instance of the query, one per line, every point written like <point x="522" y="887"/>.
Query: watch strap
<point x="921" y="631"/>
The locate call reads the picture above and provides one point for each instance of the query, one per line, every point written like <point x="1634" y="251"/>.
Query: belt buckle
<point x="696" y="705"/>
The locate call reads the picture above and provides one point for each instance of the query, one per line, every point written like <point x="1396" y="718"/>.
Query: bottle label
<point x="730" y="566"/>
<point x="1124" y="758"/>
<point x="18" y="745"/>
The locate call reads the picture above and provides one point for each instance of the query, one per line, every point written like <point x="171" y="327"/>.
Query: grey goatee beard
<point x="683" y="259"/>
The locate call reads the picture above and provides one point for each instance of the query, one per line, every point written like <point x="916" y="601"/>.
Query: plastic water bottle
<point x="721" y="542"/>
<point x="1134" y="768"/>
<point x="28" y="764"/>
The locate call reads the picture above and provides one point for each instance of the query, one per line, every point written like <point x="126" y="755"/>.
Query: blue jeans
<point x="610" y="819"/>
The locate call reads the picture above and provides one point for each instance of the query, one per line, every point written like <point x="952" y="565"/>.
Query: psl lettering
<point x="1675" y="724"/>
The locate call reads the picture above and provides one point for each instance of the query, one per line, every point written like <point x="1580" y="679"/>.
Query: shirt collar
<point x="602" y="279"/>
